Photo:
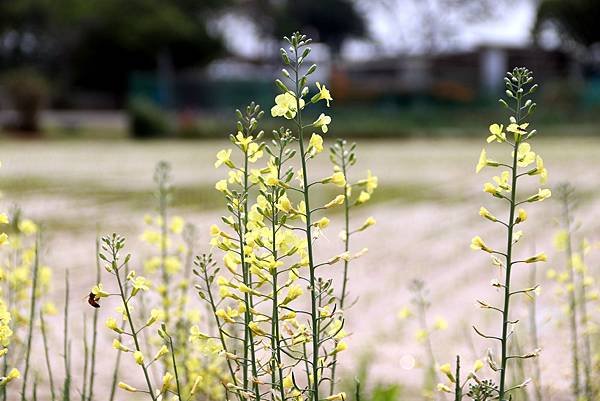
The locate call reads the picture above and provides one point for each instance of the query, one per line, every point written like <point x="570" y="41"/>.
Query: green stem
<point x="85" y="361"/>
<point x="133" y="331"/>
<point x="95" y="328"/>
<point x="457" y="388"/>
<point x="311" y="265"/>
<point x="31" y="315"/>
<point x="47" y="356"/>
<point x="346" y="261"/>
<point x="509" y="248"/>
<point x="572" y="300"/>
<point x="534" y="336"/>
<point x="587" y="347"/>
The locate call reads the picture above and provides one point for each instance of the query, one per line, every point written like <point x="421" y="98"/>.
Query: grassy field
<point x="427" y="211"/>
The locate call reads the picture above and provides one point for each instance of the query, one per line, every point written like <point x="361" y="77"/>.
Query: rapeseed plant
<point x="343" y="157"/>
<point x="517" y="136"/>
<point x="273" y="347"/>
<point x="424" y="332"/>
<point x="576" y="285"/>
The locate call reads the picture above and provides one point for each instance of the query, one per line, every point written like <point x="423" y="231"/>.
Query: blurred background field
<point x="94" y="93"/>
<point x="426" y="209"/>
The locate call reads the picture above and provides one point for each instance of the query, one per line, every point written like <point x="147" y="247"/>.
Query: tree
<point x="95" y="44"/>
<point x="327" y="21"/>
<point x="575" y="20"/>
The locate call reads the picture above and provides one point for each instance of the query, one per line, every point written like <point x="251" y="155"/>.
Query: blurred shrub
<point x="28" y="91"/>
<point x="147" y="120"/>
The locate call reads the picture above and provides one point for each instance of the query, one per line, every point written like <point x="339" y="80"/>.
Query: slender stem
<point x="221" y="337"/>
<point x="509" y="264"/>
<point x="133" y="331"/>
<point x="85" y="361"/>
<point x="47" y="356"/>
<point x="346" y="261"/>
<point x="163" y="249"/>
<point x="311" y="265"/>
<point x="66" y="343"/>
<point x="172" y="349"/>
<point x="572" y="300"/>
<point x="275" y="337"/>
<point x="534" y="336"/>
<point x="584" y="319"/>
<point x="31" y="315"/>
<point x="95" y="328"/>
<point x="115" y="378"/>
<point x="457" y="388"/>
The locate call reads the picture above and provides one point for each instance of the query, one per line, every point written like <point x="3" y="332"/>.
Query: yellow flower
<point x="404" y="313"/>
<point x="477" y="243"/>
<point x="540" y="170"/>
<point x="484" y="161"/>
<point x="441" y="387"/>
<point x="139" y="357"/>
<point x="161" y="352"/>
<point x="284" y="204"/>
<point x="127" y="387"/>
<point x="322" y="122"/>
<point x="293" y="292"/>
<point x="363" y="197"/>
<point x="111" y="323"/>
<point x="99" y="292"/>
<point x="177" y="224"/>
<point x="254" y="152"/>
<point x="370" y="221"/>
<point x="370" y="183"/>
<point x="491" y="189"/>
<point x="421" y="335"/>
<point x="540" y="196"/>
<point x="120" y="347"/>
<point x="477" y="366"/>
<point x="338" y="200"/>
<point x="288" y="381"/>
<point x="316" y="143"/>
<point x="322" y="223"/>
<point x="3" y="238"/>
<point x="255" y="328"/>
<point x="337" y="179"/>
<point x="336" y="397"/>
<point x="483" y="212"/>
<point x="166" y="382"/>
<point x="13" y="374"/>
<point x="223" y="157"/>
<point x="440" y="323"/>
<point x="517" y="129"/>
<point x="524" y="155"/>
<point x="27" y="227"/>
<point x="3" y="218"/>
<point x="521" y="216"/>
<point x="322" y="95"/>
<point x="140" y="283"/>
<point x="341" y="346"/>
<point x="243" y="141"/>
<point x="447" y="370"/>
<point x="221" y="186"/>
<point x="540" y="257"/>
<point x="561" y="239"/>
<point x="286" y="105"/>
<point x="497" y="133"/>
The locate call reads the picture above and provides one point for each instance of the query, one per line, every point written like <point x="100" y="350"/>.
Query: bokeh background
<point x="93" y="93"/>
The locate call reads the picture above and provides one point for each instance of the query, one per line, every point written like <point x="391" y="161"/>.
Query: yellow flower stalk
<point x="517" y="137"/>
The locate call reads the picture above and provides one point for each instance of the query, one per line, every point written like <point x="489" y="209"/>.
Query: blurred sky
<point x="394" y="28"/>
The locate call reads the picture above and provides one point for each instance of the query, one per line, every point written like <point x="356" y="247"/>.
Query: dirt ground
<point x="427" y="212"/>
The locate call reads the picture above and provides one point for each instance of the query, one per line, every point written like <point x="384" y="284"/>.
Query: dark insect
<point x="93" y="300"/>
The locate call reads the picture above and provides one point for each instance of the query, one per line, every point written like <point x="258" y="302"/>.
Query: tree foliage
<point x="576" y="20"/>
